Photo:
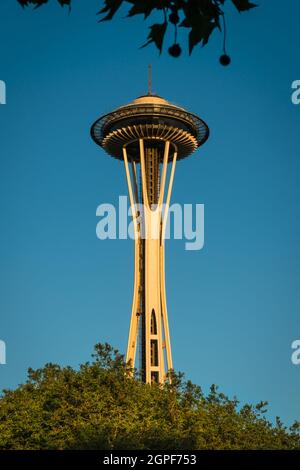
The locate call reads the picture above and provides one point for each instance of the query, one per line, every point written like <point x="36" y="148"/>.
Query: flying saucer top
<point x="153" y="118"/>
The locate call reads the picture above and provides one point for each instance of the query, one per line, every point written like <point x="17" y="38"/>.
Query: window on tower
<point x="154" y="352"/>
<point x="153" y="323"/>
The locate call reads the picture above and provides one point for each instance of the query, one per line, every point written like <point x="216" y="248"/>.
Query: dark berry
<point x="173" y="18"/>
<point x="225" y="60"/>
<point x="175" y="50"/>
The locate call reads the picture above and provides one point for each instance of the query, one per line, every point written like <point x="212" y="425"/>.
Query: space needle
<point x="150" y="135"/>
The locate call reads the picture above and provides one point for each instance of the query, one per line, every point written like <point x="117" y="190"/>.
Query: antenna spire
<point x="149" y="79"/>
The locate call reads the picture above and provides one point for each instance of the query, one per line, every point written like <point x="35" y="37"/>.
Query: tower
<point x="150" y="135"/>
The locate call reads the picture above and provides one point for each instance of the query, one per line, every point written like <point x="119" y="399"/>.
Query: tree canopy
<point x="200" y="17"/>
<point x="101" y="406"/>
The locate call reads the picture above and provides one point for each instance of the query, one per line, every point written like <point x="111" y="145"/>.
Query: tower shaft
<point x="149" y="319"/>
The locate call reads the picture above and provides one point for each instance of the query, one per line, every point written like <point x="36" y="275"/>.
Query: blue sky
<point x="233" y="306"/>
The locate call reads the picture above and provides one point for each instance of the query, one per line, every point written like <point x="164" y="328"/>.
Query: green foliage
<point x="201" y="17"/>
<point x="101" y="406"/>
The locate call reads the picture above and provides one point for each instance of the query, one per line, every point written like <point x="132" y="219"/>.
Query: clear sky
<point x="233" y="306"/>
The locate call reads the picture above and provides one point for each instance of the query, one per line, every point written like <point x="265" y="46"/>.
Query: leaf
<point x="200" y="16"/>
<point x="195" y="37"/>
<point x="142" y="7"/>
<point x="243" y="5"/>
<point x="200" y="31"/>
<point x="186" y="23"/>
<point x="156" y="35"/>
<point x="146" y="7"/>
<point x="207" y="32"/>
<point x="65" y="2"/>
<point x="37" y="3"/>
<point x="111" y="6"/>
<point x="23" y="3"/>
